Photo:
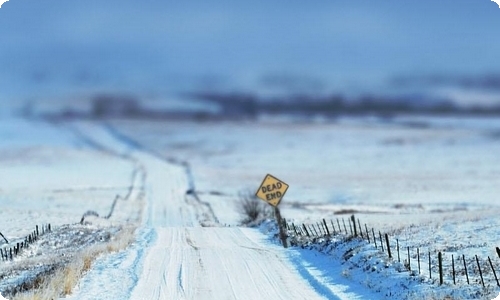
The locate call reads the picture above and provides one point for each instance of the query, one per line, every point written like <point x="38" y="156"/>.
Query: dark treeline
<point x="248" y="106"/>
<point x="334" y="105"/>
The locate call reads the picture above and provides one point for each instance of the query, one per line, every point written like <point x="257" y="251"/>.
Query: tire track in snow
<point x="210" y="263"/>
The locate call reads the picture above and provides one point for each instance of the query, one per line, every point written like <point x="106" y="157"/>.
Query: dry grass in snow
<point x="63" y="280"/>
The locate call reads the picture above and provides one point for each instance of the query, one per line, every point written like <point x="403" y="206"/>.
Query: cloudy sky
<point x="56" y="46"/>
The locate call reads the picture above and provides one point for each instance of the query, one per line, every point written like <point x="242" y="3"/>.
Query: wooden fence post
<point x="313" y="229"/>
<point x="465" y="268"/>
<point x="453" y="268"/>
<point x="353" y="219"/>
<point x="277" y="214"/>
<point x="409" y="262"/>
<point x="388" y="246"/>
<point x="360" y="230"/>
<point x="301" y="231"/>
<point x="295" y="229"/>
<point x="480" y="272"/>
<point x="418" y="259"/>
<point x="430" y="269"/>
<point x="320" y="229"/>
<point x="381" y="243"/>
<point x="305" y="229"/>
<point x="374" y="238"/>
<point x="326" y="227"/>
<point x="333" y="227"/>
<point x="397" y="248"/>
<point x="498" y="251"/>
<point x="4" y="238"/>
<point x="338" y="223"/>
<point x="345" y="227"/>
<point x="350" y="226"/>
<point x="367" y="233"/>
<point x="440" y="262"/>
<point x="494" y="273"/>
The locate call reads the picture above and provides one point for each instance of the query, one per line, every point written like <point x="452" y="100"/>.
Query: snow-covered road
<point x="175" y="258"/>
<point x="217" y="263"/>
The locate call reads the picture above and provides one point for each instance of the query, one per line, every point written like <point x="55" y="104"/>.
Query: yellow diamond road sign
<point x="272" y="190"/>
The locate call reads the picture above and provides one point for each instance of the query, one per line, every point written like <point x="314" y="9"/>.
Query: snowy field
<point x="413" y="169"/>
<point x="430" y="182"/>
<point x="52" y="176"/>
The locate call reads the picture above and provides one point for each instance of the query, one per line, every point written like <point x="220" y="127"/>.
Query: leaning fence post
<point x="388" y="246"/>
<point x="374" y="238"/>
<point x="465" y="268"/>
<point x="295" y="229"/>
<point x="338" y="223"/>
<point x="313" y="229"/>
<point x="4" y="238"/>
<point x="301" y="231"/>
<point x="353" y="219"/>
<point x="320" y="229"/>
<point x="498" y="251"/>
<point x="360" y="230"/>
<point x="381" y="243"/>
<point x="367" y="233"/>
<point x="310" y="230"/>
<point x="345" y="227"/>
<point x="494" y="273"/>
<point x="305" y="229"/>
<point x="480" y="272"/>
<point x="326" y="227"/>
<point x="440" y="261"/>
<point x="350" y="226"/>
<point x="333" y="227"/>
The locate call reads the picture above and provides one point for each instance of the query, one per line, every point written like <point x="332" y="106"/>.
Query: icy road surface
<point x="175" y="258"/>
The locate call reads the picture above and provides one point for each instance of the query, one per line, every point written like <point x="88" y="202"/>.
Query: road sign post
<point x="272" y="191"/>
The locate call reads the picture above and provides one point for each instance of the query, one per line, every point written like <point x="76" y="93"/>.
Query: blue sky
<point x="168" y="46"/>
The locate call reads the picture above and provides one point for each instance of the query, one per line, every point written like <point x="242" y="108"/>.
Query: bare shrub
<point x="252" y="209"/>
